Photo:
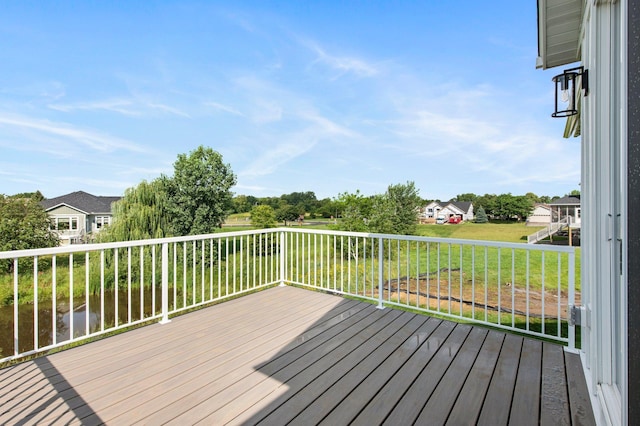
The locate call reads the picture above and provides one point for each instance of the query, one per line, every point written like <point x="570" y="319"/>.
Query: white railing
<point x="512" y="286"/>
<point x="550" y="230"/>
<point x="101" y="288"/>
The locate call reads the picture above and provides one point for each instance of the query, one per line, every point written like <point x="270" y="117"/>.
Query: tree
<point x="489" y="203"/>
<point x="243" y="203"/>
<point x="481" y="216"/>
<point x="35" y="195"/>
<point x="305" y="201"/>
<point x="288" y="213"/>
<point x="574" y="193"/>
<point x="24" y="225"/>
<point x="382" y="215"/>
<point x="263" y="216"/>
<point x="405" y="201"/>
<point x="199" y="193"/>
<point x="195" y="200"/>
<point x="394" y="212"/>
<point x="141" y="214"/>
<point x="354" y="209"/>
<point x="470" y="196"/>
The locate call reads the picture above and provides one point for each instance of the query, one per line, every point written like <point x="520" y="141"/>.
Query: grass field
<point x="508" y="232"/>
<point x="515" y="232"/>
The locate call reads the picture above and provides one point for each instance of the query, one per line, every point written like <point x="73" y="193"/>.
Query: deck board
<point x="554" y="399"/>
<point x="525" y="405"/>
<point x="469" y="403"/>
<point x="292" y="355"/>
<point x="500" y="392"/>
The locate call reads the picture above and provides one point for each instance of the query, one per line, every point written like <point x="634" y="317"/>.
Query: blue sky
<point x="327" y="96"/>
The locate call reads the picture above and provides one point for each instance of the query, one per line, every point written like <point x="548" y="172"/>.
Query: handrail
<point x="553" y="228"/>
<point x="504" y="285"/>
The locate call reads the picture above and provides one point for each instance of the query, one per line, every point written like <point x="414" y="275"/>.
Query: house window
<point x="64" y="223"/>
<point x="430" y="210"/>
<point x="102" y="221"/>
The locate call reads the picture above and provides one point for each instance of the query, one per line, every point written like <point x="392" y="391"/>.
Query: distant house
<point x="540" y="216"/>
<point x="566" y="207"/>
<point x="461" y="209"/>
<point x="77" y="215"/>
<point x="431" y="210"/>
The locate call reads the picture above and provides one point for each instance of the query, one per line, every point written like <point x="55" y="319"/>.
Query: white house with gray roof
<point x="78" y="215"/>
<point x="462" y="209"/>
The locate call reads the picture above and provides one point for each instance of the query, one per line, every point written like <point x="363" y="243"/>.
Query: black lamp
<point x="565" y="101"/>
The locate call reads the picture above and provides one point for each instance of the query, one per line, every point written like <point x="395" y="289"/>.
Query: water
<point x="64" y="317"/>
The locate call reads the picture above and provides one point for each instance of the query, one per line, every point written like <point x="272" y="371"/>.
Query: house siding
<point x="65" y="210"/>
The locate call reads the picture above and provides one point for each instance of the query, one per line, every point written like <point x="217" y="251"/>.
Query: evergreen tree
<point x="481" y="216"/>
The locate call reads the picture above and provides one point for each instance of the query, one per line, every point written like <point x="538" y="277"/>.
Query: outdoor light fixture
<point x="566" y="91"/>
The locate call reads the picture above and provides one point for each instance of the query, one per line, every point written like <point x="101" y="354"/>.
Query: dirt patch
<point x="447" y="296"/>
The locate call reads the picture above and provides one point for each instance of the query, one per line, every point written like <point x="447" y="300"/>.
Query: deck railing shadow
<point x="54" y="398"/>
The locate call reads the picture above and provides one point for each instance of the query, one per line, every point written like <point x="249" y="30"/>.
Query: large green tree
<point x="195" y="200"/>
<point x="199" y="193"/>
<point x="263" y="216"/>
<point x="24" y="224"/>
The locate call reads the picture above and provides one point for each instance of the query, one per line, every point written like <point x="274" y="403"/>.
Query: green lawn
<point x="508" y="232"/>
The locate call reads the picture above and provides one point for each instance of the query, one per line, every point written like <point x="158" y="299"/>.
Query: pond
<point x="82" y="314"/>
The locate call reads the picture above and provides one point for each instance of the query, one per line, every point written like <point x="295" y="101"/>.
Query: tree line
<point x="197" y="198"/>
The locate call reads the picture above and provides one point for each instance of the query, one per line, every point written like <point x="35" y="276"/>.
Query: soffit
<point x="559" y="25"/>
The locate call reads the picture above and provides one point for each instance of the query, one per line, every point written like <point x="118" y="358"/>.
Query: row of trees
<point x="289" y="207"/>
<point x="507" y="206"/>
<point x="394" y="212"/>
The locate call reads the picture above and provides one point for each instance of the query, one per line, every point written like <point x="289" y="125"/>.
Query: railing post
<point x="283" y="257"/>
<point x="165" y="284"/>
<point x="572" y="300"/>
<point x="380" y="272"/>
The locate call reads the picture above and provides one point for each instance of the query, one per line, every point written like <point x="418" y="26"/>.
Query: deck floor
<point x="292" y="356"/>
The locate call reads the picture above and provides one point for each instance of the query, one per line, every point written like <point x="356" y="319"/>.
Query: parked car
<point x="441" y="220"/>
<point x="455" y="220"/>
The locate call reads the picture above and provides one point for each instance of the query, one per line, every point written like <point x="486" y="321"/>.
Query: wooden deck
<point x="288" y="355"/>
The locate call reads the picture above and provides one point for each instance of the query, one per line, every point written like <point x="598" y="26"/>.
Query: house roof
<point x="559" y="23"/>
<point x="462" y="205"/>
<point x="567" y="201"/>
<point x="542" y="206"/>
<point x="82" y="201"/>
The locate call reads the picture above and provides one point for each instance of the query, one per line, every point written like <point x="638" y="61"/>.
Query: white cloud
<point x="132" y="107"/>
<point x="342" y="64"/>
<point x="114" y="105"/>
<point x="47" y="90"/>
<point x="169" y="109"/>
<point x="89" y="138"/>
<point x="296" y="144"/>
<point x="225" y="108"/>
<point x="266" y="111"/>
